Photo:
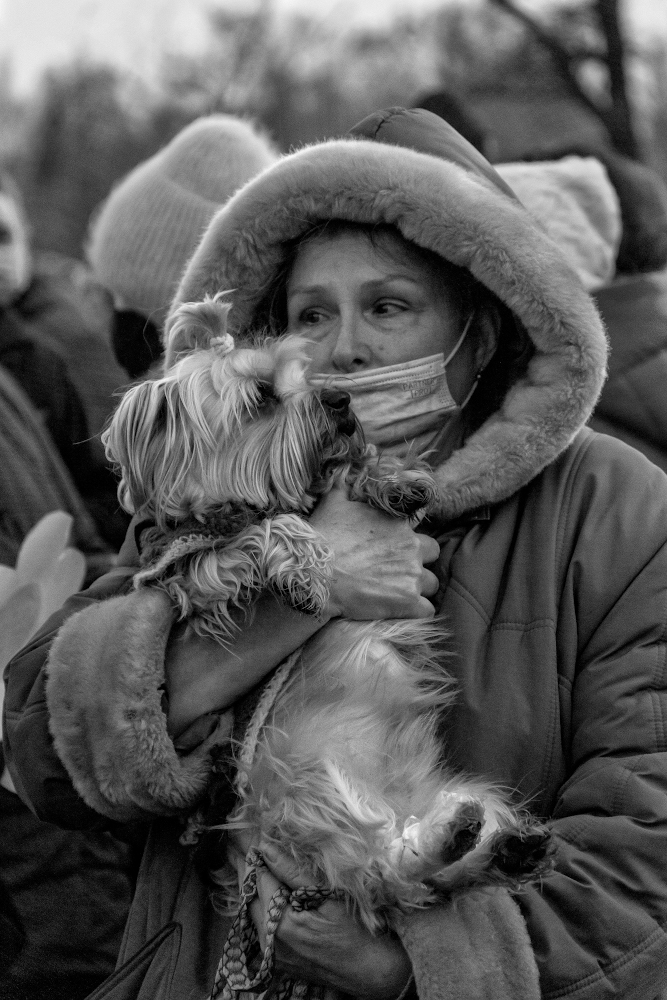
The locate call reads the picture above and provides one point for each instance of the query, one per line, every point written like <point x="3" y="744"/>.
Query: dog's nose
<point x="336" y="399"/>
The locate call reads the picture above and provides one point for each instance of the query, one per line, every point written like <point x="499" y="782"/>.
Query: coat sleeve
<point x="36" y="770"/>
<point x="85" y="736"/>
<point x="598" y="925"/>
<point x="104" y="687"/>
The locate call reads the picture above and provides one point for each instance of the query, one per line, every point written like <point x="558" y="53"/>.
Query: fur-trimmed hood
<point x="450" y="200"/>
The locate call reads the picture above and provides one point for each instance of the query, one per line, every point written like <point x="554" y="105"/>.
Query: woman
<point x="552" y="576"/>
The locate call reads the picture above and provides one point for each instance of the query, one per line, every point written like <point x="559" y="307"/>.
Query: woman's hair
<point x="514" y="349"/>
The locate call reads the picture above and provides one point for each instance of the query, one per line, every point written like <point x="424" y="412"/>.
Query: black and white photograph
<point x="333" y="499"/>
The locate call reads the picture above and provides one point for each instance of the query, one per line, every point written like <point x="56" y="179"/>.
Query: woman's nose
<point x="350" y="352"/>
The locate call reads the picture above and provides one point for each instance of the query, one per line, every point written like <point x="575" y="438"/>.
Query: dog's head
<point x="229" y="424"/>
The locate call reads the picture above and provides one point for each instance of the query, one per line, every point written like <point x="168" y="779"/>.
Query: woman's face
<point x="361" y="307"/>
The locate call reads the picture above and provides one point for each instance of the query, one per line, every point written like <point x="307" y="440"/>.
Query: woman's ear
<point x="485" y="334"/>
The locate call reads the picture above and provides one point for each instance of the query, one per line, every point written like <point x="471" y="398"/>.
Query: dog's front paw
<point x="296" y="564"/>
<point x="401" y="494"/>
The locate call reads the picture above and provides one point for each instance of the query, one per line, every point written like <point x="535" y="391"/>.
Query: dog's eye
<point x="266" y="393"/>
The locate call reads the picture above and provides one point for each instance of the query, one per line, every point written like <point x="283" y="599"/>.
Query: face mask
<point x="399" y="405"/>
<point x="136" y="341"/>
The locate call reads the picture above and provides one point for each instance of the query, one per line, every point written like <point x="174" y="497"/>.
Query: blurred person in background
<point x="41" y="331"/>
<point x="633" y="402"/>
<point x="632" y="300"/>
<point x="67" y="891"/>
<point x="548" y="548"/>
<point x="57" y="943"/>
<point x="145" y="232"/>
<point x="35" y="481"/>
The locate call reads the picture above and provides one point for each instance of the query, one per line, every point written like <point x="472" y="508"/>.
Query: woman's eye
<point x="389" y="307"/>
<point x="309" y="317"/>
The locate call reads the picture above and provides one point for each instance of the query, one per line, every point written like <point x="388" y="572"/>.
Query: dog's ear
<point x="129" y="440"/>
<point x="198" y="325"/>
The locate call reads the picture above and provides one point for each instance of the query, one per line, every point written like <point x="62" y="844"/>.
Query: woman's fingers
<point x="378" y="562"/>
<point x="283" y="867"/>
<point x="430" y="550"/>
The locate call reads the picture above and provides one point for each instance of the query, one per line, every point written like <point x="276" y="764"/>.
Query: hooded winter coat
<point x="35" y="481"/>
<point x="623" y="265"/>
<point x="633" y="405"/>
<point x="44" y="335"/>
<point x="553" y="582"/>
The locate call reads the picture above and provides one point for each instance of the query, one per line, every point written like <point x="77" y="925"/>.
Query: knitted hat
<point x="642" y="199"/>
<point x="576" y="204"/>
<point x="148" y="227"/>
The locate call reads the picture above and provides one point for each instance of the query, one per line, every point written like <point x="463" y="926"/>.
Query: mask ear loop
<point x="461" y="338"/>
<point x="451" y="354"/>
<point x="474" y="385"/>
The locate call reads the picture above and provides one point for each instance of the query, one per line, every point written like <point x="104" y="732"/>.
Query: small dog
<point x="228" y="453"/>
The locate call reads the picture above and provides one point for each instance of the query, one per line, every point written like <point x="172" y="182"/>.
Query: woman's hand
<point x="327" y="946"/>
<point x="379" y="562"/>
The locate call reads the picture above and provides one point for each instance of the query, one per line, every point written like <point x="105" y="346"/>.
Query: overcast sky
<point x="35" y="34"/>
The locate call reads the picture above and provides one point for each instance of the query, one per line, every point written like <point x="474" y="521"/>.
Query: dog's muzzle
<point x="338" y="403"/>
<point x="336" y="399"/>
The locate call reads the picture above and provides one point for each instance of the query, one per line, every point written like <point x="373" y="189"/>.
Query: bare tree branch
<point x="620" y="116"/>
<point x="617" y="116"/>
<point x="561" y="57"/>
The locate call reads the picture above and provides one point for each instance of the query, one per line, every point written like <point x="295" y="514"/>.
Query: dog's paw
<point x="463" y="832"/>
<point x="296" y="564"/>
<point x="448" y="832"/>
<point x="450" y="829"/>
<point x="402" y="494"/>
<point x="523" y="853"/>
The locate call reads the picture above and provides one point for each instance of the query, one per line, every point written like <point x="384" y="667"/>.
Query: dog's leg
<point x="397" y="491"/>
<point x="296" y="564"/>
<point x="472" y="837"/>
<point x="478" y="842"/>
<point x="283" y="554"/>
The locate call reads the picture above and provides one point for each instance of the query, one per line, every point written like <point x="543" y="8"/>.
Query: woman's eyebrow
<point x="373" y="283"/>
<point x="307" y="290"/>
<point x="399" y="276"/>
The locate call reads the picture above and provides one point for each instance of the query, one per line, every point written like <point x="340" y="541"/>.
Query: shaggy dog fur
<point x="228" y="452"/>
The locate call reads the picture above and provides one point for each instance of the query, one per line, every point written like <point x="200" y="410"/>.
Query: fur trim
<point x="466" y="219"/>
<point x="488" y="955"/>
<point x="115" y="744"/>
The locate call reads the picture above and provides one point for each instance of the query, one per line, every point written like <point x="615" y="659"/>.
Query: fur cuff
<point x="474" y="948"/>
<point x="105" y="671"/>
